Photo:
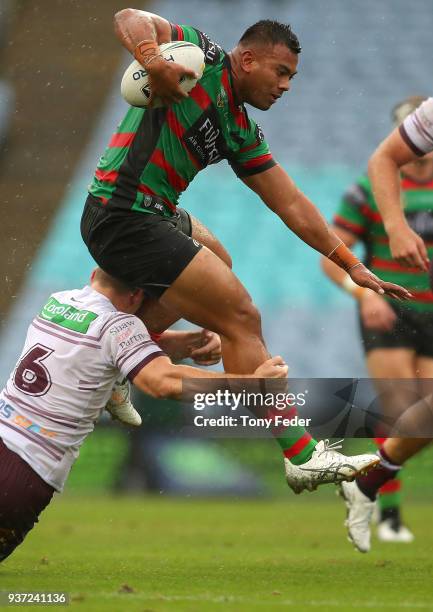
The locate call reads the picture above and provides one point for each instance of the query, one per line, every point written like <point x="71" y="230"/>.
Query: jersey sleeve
<point x="417" y="129"/>
<point x="352" y="213"/>
<point x="254" y="155"/>
<point x="212" y="51"/>
<point x="128" y="346"/>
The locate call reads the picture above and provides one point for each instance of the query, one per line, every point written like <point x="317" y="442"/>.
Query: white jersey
<point x="417" y="129"/>
<point x="75" y="349"/>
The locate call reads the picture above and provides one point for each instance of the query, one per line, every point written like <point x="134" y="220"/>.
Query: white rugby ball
<point x="135" y="87"/>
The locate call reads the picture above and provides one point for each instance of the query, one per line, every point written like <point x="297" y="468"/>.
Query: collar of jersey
<point x="227" y="63"/>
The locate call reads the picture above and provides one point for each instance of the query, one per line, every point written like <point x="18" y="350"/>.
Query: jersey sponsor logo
<point x="8" y="412"/>
<point x="212" y="51"/>
<point x="204" y="139"/>
<point x="121" y="327"/>
<point x="259" y="133"/>
<point x="133" y="340"/>
<point x="67" y="316"/>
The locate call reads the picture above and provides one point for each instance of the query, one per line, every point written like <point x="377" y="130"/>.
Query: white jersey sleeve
<point x="417" y="129"/>
<point x="128" y="346"/>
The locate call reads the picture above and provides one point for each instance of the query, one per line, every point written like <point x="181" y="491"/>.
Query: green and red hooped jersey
<point x="358" y="214"/>
<point x="159" y="151"/>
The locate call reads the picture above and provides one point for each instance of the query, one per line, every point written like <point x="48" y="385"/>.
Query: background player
<point x="128" y="222"/>
<point x="397" y="338"/>
<point x="409" y="142"/>
<point x="75" y="349"/>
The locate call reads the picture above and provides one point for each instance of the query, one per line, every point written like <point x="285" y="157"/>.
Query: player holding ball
<point x="134" y="231"/>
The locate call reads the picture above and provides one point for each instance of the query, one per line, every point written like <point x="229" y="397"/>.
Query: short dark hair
<point x="271" y="32"/>
<point x="109" y="282"/>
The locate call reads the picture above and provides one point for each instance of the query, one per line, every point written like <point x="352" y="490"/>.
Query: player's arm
<point x="141" y="33"/>
<point x="282" y="196"/>
<point x="162" y="379"/>
<point x="132" y="26"/>
<point x="383" y="168"/>
<point x="336" y="274"/>
<point x="375" y="311"/>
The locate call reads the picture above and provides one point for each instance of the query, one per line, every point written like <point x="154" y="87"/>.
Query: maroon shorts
<point x="23" y="496"/>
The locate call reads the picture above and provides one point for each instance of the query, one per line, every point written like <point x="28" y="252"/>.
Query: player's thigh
<point x="23" y="496"/>
<point x="202" y="234"/>
<point x="391" y="363"/>
<point x="194" y="228"/>
<point x="157" y="317"/>
<point x="393" y="371"/>
<point x="424" y="367"/>
<point x="402" y="449"/>
<point x="209" y="294"/>
<point x="424" y="372"/>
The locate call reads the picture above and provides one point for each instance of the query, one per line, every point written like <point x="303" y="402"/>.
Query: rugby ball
<point x="135" y="87"/>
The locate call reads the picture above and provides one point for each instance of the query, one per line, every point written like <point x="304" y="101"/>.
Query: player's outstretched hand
<point x="164" y="80"/>
<point x="273" y="368"/>
<point x="364" y="278"/>
<point x="408" y="248"/>
<point x="209" y="351"/>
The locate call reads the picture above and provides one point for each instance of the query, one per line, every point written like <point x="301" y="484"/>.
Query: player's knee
<point x="247" y="318"/>
<point x="217" y="248"/>
<point x="224" y="255"/>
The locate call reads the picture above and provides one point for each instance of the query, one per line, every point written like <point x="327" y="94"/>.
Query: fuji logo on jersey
<point x="204" y="140"/>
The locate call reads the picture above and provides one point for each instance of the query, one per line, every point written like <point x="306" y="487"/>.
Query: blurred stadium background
<point x="59" y="102"/>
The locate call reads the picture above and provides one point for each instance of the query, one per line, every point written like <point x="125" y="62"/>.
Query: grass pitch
<point x="162" y="554"/>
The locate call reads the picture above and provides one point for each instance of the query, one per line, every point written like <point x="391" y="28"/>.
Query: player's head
<point x="266" y="59"/>
<point x="124" y="297"/>
<point x="404" y="108"/>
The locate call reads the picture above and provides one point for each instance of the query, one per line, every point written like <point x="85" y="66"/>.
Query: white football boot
<point x="119" y="405"/>
<point x="391" y="530"/>
<point x="327" y="465"/>
<point x="360" y="510"/>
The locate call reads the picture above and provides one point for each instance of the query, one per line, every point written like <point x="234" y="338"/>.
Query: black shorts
<point x="23" y="496"/>
<point x="144" y="250"/>
<point x="412" y="330"/>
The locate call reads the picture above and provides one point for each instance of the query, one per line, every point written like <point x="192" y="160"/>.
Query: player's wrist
<point x="146" y="52"/>
<point x="343" y="257"/>
<point x="353" y="289"/>
<point x="395" y="223"/>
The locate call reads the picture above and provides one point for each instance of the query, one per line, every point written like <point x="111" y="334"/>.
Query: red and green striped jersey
<point x="157" y="152"/>
<point x="358" y="214"/>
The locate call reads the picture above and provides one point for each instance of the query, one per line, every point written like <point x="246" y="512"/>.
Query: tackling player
<point x="397" y="338"/>
<point x="129" y="222"/>
<point x="409" y="142"/>
<point x="75" y="349"/>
